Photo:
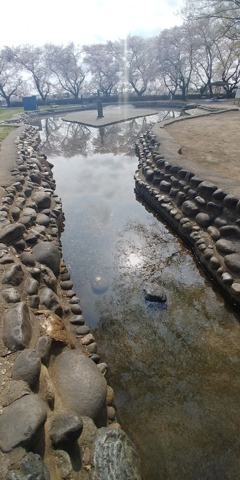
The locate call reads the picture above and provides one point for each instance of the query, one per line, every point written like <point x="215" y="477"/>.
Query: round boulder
<point x="81" y="386"/>
<point x="42" y="199"/>
<point x="48" y="254"/>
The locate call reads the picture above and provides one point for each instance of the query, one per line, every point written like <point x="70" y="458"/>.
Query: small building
<point x="30" y="103"/>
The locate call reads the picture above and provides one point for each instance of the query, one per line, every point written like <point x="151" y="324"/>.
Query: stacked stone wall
<point x="56" y="408"/>
<point x="203" y="214"/>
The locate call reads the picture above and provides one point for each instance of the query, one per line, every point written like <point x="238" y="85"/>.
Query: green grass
<point x="4" y="132"/>
<point x="7" y="113"/>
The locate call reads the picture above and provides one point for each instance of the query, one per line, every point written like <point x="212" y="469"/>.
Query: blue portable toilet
<point x="30" y="103"/>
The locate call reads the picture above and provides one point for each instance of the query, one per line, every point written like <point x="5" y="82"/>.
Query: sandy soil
<point x="212" y="141"/>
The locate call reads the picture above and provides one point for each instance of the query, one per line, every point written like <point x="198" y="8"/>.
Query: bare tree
<point x="10" y="76"/>
<point x="66" y="64"/>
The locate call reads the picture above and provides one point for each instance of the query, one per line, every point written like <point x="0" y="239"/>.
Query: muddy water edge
<point x="174" y="369"/>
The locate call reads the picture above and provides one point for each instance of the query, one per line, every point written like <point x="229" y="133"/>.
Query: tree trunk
<point x="8" y="101"/>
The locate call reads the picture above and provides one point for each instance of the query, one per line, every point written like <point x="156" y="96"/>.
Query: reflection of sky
<point x="174" y="370"/>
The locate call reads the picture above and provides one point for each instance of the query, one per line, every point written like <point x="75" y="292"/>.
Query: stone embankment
<point x="57" y="417"/>
<point x="203" y="214"/>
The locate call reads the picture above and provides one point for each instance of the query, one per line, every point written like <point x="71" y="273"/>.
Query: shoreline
<point x="203" y="214"/>
<point x="50" y="369"/>
<point x="53" y="387"/>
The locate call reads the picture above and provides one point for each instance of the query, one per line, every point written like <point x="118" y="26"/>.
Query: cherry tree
<point x="103" y="65"/>
<point x="10" y="76"/>
<point x="67" y="67"/>
<point x="34" y="61"/>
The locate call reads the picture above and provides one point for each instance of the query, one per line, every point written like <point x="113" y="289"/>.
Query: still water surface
<point x="175" y="370"/>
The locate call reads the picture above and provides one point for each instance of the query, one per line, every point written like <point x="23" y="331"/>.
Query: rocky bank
<point x="203" y="214"/>
<point x="58" y="419"/>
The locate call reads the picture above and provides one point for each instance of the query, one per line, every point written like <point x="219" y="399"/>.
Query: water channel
<point x="174" y="370"/>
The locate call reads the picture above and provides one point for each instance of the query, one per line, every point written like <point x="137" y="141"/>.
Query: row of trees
<point x="206" y="48"/>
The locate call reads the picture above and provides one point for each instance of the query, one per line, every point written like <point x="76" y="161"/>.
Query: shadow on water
<point x="174" y="370"/>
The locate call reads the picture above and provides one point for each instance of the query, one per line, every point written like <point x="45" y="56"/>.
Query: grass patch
<point x="4" y="132"/>
<point x="7" y="113"/>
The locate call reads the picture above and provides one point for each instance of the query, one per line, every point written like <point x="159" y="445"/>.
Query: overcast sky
<point x="83" y="21"/>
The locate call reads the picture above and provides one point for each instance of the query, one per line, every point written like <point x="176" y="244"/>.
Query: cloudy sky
<point x="83" y="21"/>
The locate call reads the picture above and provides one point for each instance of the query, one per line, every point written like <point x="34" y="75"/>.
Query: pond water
<point x="174" y="370"/>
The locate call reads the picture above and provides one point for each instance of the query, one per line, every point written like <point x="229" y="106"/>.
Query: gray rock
<point x="81" y="387"/>
<point x="226" y="246"/>
<point x="13" y="275"/>
<point x="76" y="309"/>
<point x="206" y="188"/>
<point x="16" y="213"/>
<point x="33" y="301"/>
<point x="219" y="194"/>
<point x="11" y="295"/>
<point x="189" y="208"/>
<point x="63" y="465"/>
<point x="115" y="456"/>
<point x="21" y="421"/>
<point x="214" y="233"/>
<point x="27" y="221"/>
<point x="220" y="222"/>
<point x="50" y="301"/>
<point x="31" y="286"/>
<point x="48" y="254"/>
<point x="165" y="186"/>
<point x="232" y="262"/>
<point x="235" y="288"/>
<point x="227" y="278"/>
<point x="153" y="293"/>
<point x="42" y="219"/>
<point x="66" y="285"/>
<point x="35" y="177"/>
<point x="64" y="429"/>
<point x="203" y="219"/>
<point x="214" y="262"/>
<point x="65" y="276"/>
<point x="82" y="330"/>
<point x="27" y="367"/>
<point x="11" y="232"/>
<point x="214" y="208"/>
<point x="31" y="468"/>
<point x="92" y="348"/>
<point x="149" y="174"/>
<point x="77" y="320"/>
<point x="74" y="300"/>
<point x="27" y="259"/>
<point x="42" y="199"/>
<point x="230" y="231"/>
<point x="200" y="201"/>
<point x="43" y="348"/>
<point x="16" y="389"/>
<point x="17" y="329"/>
<point x="29" y="212"/>
<point x="230" y="201"/>
<point x="48" y="277"/>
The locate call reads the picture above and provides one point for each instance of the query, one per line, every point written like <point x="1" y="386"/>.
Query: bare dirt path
<point x="212" y="141"/>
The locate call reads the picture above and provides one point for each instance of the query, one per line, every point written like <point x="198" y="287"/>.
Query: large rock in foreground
<point x="115" y="456"/>
<point x="80" y="385"/>
<point x="21" y="421"/>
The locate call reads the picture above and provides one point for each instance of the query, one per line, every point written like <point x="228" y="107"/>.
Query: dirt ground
<point x="212" y="141"/>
